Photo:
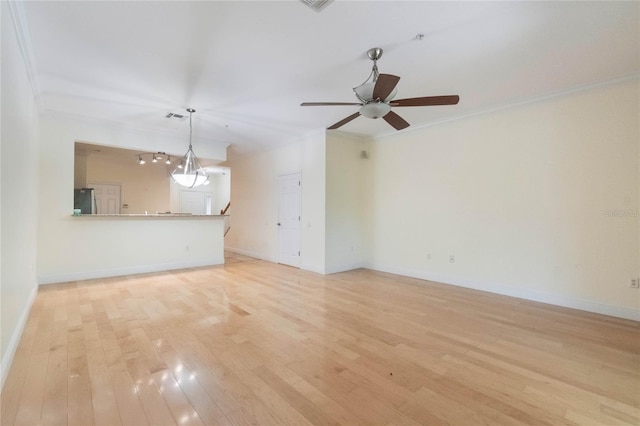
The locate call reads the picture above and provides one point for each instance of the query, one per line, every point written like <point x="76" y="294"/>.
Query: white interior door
<point x="107" y="198"/>
<point x="289" y="200"/>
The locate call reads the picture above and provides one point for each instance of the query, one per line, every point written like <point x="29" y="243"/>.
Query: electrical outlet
<point x="452" y="258"/>
<point x="635" y="282"/>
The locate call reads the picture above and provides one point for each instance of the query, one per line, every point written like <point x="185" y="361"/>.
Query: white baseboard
<point x="129" y="270"/>
<point x="304" y="266"/>
<point x="346" y="267"/>
<point x="7" y="358"/>
<point x="533" y="295"/>
<point x="254" y="254"/>
<point x="313" y="268"/>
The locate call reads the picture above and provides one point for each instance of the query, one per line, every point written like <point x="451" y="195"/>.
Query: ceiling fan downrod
<point x="374" y="54"/>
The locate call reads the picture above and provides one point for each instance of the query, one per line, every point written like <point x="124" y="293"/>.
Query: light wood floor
<point x="258" y="343"/>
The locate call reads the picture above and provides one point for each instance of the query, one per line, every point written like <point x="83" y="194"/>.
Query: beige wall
<point x="144" y="188"/>
<point x="254" y="200"/>
<point x="522" y="197"/>
<point x="19" y="187"/>
<point x="80" y="170"/>
<point x="526" y="199"/>
<point x="348" y="180"/>
<point x="222" y="191"/>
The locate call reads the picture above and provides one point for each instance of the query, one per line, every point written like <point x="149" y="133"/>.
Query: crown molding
<point x="356" y="137"/>
<point x="532" y="100"/>
<point x="23" y="35"/>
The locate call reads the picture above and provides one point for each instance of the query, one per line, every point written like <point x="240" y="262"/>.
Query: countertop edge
<point x="153" y="216"/>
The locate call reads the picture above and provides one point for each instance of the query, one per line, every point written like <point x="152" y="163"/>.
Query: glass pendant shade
<point x="189" y="173"/>
<point x="365" y="92"/>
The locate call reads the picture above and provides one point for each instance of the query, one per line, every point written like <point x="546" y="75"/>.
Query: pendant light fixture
<point x="189" y="173"/>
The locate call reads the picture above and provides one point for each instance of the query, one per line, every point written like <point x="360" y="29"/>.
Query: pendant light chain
<point x="190" y="128"/>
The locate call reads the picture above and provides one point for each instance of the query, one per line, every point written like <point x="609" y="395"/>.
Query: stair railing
<point x="224" y="211"/>
<point x="227" y="223"/>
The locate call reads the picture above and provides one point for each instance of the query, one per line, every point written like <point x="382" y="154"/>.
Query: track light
<point x="154" y="157"/>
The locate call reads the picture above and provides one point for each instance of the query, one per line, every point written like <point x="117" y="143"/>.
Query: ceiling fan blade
<point x="426" y="101"/>
<point x="328" y="103"/>
<point x="396" y="121"/>
<point x="344" y="121"/>
<point x="384" y="86"/>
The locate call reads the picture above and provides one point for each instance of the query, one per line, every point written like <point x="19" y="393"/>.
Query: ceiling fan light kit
<point x="376" y="96"/>
<point x="375" y="109"/>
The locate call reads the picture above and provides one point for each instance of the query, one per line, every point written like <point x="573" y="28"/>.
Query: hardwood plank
<point x="189" y="382"/>
<point x="182" y="410"/>
<point x="54" y="409"/>
<point x="152" y="401"/>
<point x="258" y="343"/>
<point x="103" y="399"/>
<point x="12" y="391"/>
<point x="30" y="407"/>
<point x="79" y="404"/>
<point x="129" y="405"/>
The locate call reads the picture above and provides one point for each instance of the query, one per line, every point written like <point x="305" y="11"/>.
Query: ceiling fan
<point x="376" y="97"/>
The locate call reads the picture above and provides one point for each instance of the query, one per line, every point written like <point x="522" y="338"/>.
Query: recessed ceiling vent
<point x="317" y="5"/>
<point x="174" y="115"/>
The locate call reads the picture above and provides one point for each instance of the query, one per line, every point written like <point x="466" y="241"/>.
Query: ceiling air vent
<point x="317" y="5"/>
<point x="174" y="115"/>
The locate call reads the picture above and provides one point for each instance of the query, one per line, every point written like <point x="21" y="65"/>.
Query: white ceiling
<point x="246" y="66"/>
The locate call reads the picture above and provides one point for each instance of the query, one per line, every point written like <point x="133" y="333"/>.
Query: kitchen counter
<point x="109" y="245"/>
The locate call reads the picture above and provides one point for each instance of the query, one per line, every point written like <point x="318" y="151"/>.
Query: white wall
<point x="19" y="183"/>
<point x="522" y="197"/>
<point x="96" y="247"/>
<point x="346" y="188"/>
<point x="71" y="248"/>
<point x="254" y="201"/>
<point x="221" y="191"/>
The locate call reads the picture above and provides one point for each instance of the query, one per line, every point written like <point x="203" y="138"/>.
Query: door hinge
<point x="298" y="253"/>
<point x="298" y="218"/>
<point x="298" y="183"/>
